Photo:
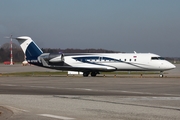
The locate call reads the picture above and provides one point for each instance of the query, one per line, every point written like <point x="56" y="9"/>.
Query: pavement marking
<point x="51" y="87"/>
<point x="17" y="109"/>
<point x="55" y="116"/>
<point x="136" y="92"/>
<point x="151" y="98"/>
<point x="86" y="89"/>
<point x="149" y="93"/>
<point x="8" y="85"/>
<point x="35" y="86"/>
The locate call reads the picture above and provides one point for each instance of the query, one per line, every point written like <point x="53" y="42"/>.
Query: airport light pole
<point x="11" y="53"/>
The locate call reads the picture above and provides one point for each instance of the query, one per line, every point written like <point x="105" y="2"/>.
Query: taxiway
<point x="79" y="98"/>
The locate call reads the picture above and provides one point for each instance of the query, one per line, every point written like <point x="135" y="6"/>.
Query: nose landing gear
<point x="161" y="74"/>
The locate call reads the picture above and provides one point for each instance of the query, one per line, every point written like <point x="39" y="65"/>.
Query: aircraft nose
<point x="167" y="65"/>
<point x="171" y="66"/>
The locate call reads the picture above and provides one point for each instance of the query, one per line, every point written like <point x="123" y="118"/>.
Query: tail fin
<point x="29" y="47"/>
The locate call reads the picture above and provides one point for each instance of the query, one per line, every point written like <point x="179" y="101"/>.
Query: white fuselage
<point x="93" y="63"/>
<point x="120" y="61"/>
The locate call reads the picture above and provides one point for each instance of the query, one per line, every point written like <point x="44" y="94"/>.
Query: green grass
<point x="34" y="74"/>
<point x="64" y="73"/>
<point x="131" y="72"/>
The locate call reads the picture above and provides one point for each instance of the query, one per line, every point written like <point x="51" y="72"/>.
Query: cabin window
<point x="129" y="59"/>
<point x="124" y="59"/>
<point x="134" y="59"/>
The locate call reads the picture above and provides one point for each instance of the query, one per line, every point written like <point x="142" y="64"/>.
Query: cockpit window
<point x="157" y="58"/>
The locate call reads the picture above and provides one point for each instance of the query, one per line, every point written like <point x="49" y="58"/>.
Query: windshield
<point x="157" y="58"/>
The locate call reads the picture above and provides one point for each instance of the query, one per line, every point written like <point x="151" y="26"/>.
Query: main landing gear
<point x="93" y="74"/>
<point x="85" y="74"/>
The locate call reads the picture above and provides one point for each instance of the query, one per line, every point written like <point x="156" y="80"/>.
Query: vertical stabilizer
<point x="29" y="47"/>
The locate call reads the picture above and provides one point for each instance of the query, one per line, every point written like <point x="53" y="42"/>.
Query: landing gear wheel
<point x="93" y="74"/>
<point x="85" y="74"/>
<point x="161" y="74"/>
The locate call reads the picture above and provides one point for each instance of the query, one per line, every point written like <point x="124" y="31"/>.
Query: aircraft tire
<point x="93" y="74"/>
<point x="161" y="75"/>
<point x="85" y="74"/>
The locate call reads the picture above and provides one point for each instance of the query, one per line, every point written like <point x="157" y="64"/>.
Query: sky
<point x="144" y="26"/>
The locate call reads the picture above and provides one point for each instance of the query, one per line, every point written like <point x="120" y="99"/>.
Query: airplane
<point x="93" y="63"/>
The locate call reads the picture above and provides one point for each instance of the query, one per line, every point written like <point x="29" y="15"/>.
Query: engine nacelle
<point x="56" y="57"/>
<point x="52" y="59"/>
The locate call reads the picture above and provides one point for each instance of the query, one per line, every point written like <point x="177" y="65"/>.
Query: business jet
<point x="93" y="63"/>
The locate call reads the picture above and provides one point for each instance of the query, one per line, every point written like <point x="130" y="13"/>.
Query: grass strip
<point x="61" y="73"/>
<point x="36" y="73"/>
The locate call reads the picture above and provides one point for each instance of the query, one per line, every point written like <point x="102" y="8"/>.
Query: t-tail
<point x="30" y="49"/>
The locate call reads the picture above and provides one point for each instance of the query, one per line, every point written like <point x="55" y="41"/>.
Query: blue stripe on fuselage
<point x="85" y="59"/>
<point x="32" y="51"/>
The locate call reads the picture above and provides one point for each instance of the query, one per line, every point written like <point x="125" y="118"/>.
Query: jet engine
<point x="52" y="58"/>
